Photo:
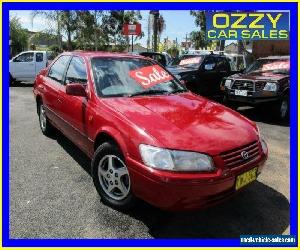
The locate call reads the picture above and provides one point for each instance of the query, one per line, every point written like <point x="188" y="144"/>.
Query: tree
<point x="68" y="20"/>
<point x="51" y="16"/>
<point x="18" y="36"/>
<point x="199" y="37"/>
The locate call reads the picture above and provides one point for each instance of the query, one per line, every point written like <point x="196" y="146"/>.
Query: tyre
<point x="45" y="125"/>
<point x="11" y="80"/>
<point x="283" y="108"/>
<point x="111" y="177"/>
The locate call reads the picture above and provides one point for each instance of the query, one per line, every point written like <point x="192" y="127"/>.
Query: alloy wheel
<point x="114" y="177"/>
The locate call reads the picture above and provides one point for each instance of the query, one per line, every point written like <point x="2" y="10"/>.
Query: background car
<point x="163" y="58"/>
<point x="26" y="65"/>
<point x="266" y="82"/>
<point x="202" y="73"/>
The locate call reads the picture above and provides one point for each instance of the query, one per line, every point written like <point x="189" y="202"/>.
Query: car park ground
<point x="52" y="194"/>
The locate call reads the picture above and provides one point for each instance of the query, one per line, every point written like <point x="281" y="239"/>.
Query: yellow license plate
<point x="245" y="178"/>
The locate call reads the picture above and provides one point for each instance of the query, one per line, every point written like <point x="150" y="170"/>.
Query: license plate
<point x="240" y="92"/>
<point x="245" y="178"/>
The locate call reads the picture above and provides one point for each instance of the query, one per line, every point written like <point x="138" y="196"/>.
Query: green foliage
<point x="18" y="36"/>
<point x="198" y="37"/>
<point x="173" y="51"/>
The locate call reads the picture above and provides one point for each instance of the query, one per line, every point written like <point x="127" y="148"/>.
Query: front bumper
<point x="253" y="98"/>
<point x="185" y="191"/>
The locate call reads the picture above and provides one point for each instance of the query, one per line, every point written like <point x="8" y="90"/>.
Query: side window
<point x="39" y="57"/>
<point x="57" y="70"/>
<point x="76" y="72"/>
<point x="25" y="57"/>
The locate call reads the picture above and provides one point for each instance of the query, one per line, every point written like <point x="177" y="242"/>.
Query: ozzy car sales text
<point x="248" y="26"/>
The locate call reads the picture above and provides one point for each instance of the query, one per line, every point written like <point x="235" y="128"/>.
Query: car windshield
<point x="188" y="61"/>
<point x="281" y="66"/>
<point x="132" y="77"/>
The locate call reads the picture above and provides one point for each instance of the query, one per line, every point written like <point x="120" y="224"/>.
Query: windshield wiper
<point x="178" y="91"/>
<point x="149" y="92"/>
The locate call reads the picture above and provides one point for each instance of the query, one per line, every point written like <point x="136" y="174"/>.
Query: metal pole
<point x="155" y="31"/>
<point x="131" y="43"/>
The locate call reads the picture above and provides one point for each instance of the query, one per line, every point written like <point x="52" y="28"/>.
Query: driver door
<point x="74" y="108"/>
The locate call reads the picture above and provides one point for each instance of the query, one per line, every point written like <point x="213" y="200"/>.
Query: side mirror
<point x="210" y="66"/>
<point x="76" y="89"/>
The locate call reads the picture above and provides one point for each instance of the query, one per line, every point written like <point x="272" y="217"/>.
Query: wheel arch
<point x="38" y="100"/>
<point x="110" y="135"/>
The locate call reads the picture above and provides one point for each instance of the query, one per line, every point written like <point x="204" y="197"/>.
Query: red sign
<point x="132" y="29"/>
<point x="150" y="76"/>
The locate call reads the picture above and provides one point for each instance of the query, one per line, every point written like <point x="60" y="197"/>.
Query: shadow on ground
<point x="259" y="209"/>
<point x="22" y="84"/>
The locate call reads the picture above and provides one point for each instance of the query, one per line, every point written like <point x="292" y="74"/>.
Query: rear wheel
<point x="45" y="125"/>
<point x="111" y="177"/>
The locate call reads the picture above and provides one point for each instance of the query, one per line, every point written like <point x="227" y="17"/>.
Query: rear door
<point x="53" y="84"/>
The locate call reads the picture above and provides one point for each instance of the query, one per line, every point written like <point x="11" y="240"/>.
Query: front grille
<point x="259" y="86"/>
<point x="243" y="85"/>
<point x="233" y="158"/>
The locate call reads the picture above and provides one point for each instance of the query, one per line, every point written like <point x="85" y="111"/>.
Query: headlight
<point x="175" y="160"/>
<point x="228" y="83"/>
<point x="270" y="86"/>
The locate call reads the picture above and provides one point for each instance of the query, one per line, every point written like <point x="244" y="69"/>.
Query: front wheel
<point x="111" y="177"/>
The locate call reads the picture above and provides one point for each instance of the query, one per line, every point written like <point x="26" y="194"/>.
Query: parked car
<point x="147" y="135"/>
<point x="163" y="58"/>
<point x="265" y="82"/>
<point x="202" y="73"/>
<point x="26" y="65"/>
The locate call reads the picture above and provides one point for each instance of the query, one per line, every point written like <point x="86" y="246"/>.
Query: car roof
<point x="275" y="57"/>
<point x="91" y="54"/>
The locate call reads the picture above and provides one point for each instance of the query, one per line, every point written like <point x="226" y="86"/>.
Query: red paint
<point x="150" y="76"/>
<point x="182" y="121"/>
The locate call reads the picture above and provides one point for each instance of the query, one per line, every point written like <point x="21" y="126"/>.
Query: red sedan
<point x="147" y="135"/>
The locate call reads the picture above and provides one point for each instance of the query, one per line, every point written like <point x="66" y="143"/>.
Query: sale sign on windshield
<point x="150" y="76"/>
<point x="193" y="60"/>
<point x="276" y="65"/>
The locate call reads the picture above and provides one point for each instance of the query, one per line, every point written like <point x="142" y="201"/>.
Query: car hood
<point x="186" y="122"/>
<point x="179" y="70"/>
<point x="267" y="76"/>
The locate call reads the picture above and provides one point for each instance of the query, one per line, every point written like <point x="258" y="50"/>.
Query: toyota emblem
<point x="245" y="155"/>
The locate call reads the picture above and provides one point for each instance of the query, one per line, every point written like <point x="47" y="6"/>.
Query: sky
<point x="178" y="23"/>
